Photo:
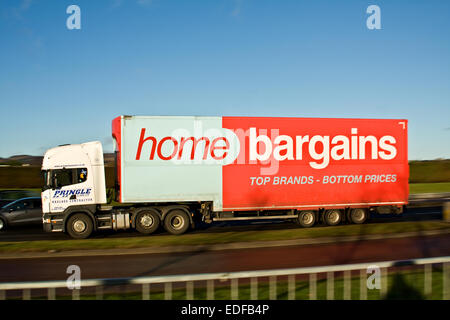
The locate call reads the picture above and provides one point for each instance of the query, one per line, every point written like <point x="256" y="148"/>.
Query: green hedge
<point x="429" y="171"/>
<point x="30" y="177"/>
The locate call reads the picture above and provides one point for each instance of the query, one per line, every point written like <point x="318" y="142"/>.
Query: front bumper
<point x="52" y="223"/>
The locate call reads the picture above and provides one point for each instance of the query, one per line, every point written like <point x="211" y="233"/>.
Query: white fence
<point x="253" y="276"/>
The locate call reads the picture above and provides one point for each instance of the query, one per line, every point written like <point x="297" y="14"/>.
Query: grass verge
<point x="220" y="237"/>
<point x="429" y="187"/>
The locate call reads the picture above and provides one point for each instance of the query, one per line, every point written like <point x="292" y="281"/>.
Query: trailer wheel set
<point x="332" y="217"/>
<point x="177" y="221"/>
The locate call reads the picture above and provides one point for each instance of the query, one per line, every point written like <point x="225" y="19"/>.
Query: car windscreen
<point x="3" y="206"/>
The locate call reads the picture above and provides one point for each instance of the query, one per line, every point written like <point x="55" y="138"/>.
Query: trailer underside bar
<point x="256" y="218"/>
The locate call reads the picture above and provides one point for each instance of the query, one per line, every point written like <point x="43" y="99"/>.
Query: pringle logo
<point x="222" y="146"/>
<point x="66" y="193"/>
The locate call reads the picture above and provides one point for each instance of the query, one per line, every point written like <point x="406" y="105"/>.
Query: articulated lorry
<point x="173" y="172"/>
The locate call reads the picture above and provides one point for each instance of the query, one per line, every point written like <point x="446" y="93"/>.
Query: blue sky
<point x="224" y="57"/>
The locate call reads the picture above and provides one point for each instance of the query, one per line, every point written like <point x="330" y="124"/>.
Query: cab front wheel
<point x="79" y="226"/>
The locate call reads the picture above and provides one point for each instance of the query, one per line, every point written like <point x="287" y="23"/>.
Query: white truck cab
<point x="74" y="197"/>
<point x="74" y="175"/>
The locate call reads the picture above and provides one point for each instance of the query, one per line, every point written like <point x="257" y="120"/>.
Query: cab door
<point x="62" y="184"/>
<point x="71" y="187"/>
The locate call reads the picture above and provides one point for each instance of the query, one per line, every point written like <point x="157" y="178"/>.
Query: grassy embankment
<point x="436" y="187"/>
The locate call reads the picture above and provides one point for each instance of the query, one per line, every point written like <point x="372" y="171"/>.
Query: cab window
<point x="65" y="177"/>
<point x="62" y="178"/>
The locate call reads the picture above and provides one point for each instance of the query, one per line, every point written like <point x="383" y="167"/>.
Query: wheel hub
<point x="79" y="226"/>
<point x="308" y="218"/>
<point x="177" y="222"/>
<point x="147" y="221"/>
<point x="358" y="215"/>
<point x="333" y="217"/>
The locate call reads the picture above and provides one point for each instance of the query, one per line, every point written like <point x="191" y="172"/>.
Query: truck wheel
<point x="2" y="224"/>
<point x="147" y="221"/>
<point x="176" y="222"/>
<point x="79" y="226"/>
<point x="307" y="219"/>
<point x="333" y="217"/>
<point x="358" y="215"/>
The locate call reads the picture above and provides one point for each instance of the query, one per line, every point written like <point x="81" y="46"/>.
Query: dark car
<point x="8" y="196"/>
<point x="26" y="211"/>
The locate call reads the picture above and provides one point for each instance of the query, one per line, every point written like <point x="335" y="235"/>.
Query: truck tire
<point x="332" y="217"/>
<point x="176" y="222"/>
<point x="79" y="226"/>
<point x="358" y="215"/>
<point x="307" y="219"/>
<point x="2" y="224"/>
<point x="147" y="221"/>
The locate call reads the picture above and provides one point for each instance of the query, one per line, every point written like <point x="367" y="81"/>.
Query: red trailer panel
<point x="309" y="162"/>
